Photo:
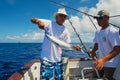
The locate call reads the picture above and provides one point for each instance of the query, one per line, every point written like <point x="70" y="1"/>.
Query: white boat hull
<point x="73" y="68"/>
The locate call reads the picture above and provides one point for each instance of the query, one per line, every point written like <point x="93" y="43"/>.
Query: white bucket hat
<point x="60" y="11"/>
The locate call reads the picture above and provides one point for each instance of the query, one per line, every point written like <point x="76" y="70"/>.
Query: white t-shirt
<point x="50" y="51"/>
<point x="107" y="39"/>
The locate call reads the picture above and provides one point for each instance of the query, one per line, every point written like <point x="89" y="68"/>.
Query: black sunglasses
<point x="98" y="18"/>
<point x="61" y="15"/>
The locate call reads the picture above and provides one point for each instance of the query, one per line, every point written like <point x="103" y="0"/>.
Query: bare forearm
<point x="93" y="54"/>
<point x="112" y="54"/>
<point x="38" y="22"/>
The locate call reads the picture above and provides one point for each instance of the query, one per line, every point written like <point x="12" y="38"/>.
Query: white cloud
<point x="83" y="25"/>
<point x="34" y="36"/>
<point x="110" y="5"/>
<point x="84" y="9"/>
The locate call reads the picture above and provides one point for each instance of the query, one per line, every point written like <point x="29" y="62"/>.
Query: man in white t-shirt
<point x="51" y="62"/>
<point x="106" y="47"/>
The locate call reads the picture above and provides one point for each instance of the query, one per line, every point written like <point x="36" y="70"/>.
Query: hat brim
<point x="59" y="13"/>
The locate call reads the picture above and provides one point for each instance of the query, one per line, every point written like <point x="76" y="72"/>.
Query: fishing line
<point x="79" y="37"/>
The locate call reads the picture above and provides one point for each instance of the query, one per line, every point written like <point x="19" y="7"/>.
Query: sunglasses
<point x="98" y="18"/>
<point x="61" y="15"/>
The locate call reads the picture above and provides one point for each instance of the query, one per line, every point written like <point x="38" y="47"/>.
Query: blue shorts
<point x="49" y="70"/>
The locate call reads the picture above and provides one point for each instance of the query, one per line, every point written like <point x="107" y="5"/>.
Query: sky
<point x="15" y="15"/>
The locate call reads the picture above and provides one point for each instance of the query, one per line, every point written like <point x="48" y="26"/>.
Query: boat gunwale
<point x="19" y="74"/>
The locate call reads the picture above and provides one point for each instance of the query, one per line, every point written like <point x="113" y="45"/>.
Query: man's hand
<point x="38" y="22"/>
<point x="77" y="47"/>
<point x="34" y="20"/>
<point x="99" y="63"/>
<point x="93" y="55"/>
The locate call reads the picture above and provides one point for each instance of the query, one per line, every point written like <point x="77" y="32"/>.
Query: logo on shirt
<point x="104" y="39"/>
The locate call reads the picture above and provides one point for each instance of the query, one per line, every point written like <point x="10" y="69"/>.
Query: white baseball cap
<point x="102" y="13"/>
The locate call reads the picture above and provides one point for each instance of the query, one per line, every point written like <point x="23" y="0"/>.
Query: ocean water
<point x="15" y="55"/>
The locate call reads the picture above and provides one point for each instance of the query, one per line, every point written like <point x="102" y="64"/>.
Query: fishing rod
<point x="115" y="25"/>
<point x="71" y="8"/>
<point x="109" y="23"/>
<point x="92" y="22"/>
<point x="82" y="12"/>
<point x="114" y="16"/>
<point x="89" y="15"/>
<point x="79" y="37"/>
<point x="78" y="10"/>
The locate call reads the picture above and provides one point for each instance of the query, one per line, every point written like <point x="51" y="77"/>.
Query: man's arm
<point x="100" y="62"/>
<point x="113" y="53"/>
<point x="95" y="48"/>
<point x="38" y="22"/>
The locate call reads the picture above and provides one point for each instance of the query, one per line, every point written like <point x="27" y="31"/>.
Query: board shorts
<point x="50" y="70"/>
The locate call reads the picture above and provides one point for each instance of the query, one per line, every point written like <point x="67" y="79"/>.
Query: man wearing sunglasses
<point x="51" y="62"/>
<point x="106" y="47"/>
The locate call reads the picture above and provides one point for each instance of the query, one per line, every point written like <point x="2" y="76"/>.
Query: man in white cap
<point x="106" y="47"/>
<point x="51" y="62"/>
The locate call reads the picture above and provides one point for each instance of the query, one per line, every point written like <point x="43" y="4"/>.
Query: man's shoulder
<point x="113" y="29"/>
<point x="98" y="30"/>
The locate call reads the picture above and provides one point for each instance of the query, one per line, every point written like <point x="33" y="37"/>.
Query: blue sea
<point x="14" y="55"/>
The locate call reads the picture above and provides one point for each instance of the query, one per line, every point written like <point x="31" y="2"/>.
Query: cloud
<point x="34" y="36"/>
<point x="83" y="26"/>
<point x="82" y="23"/>
<point x="110" y="5"/>
<point x="84" y="9"/>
